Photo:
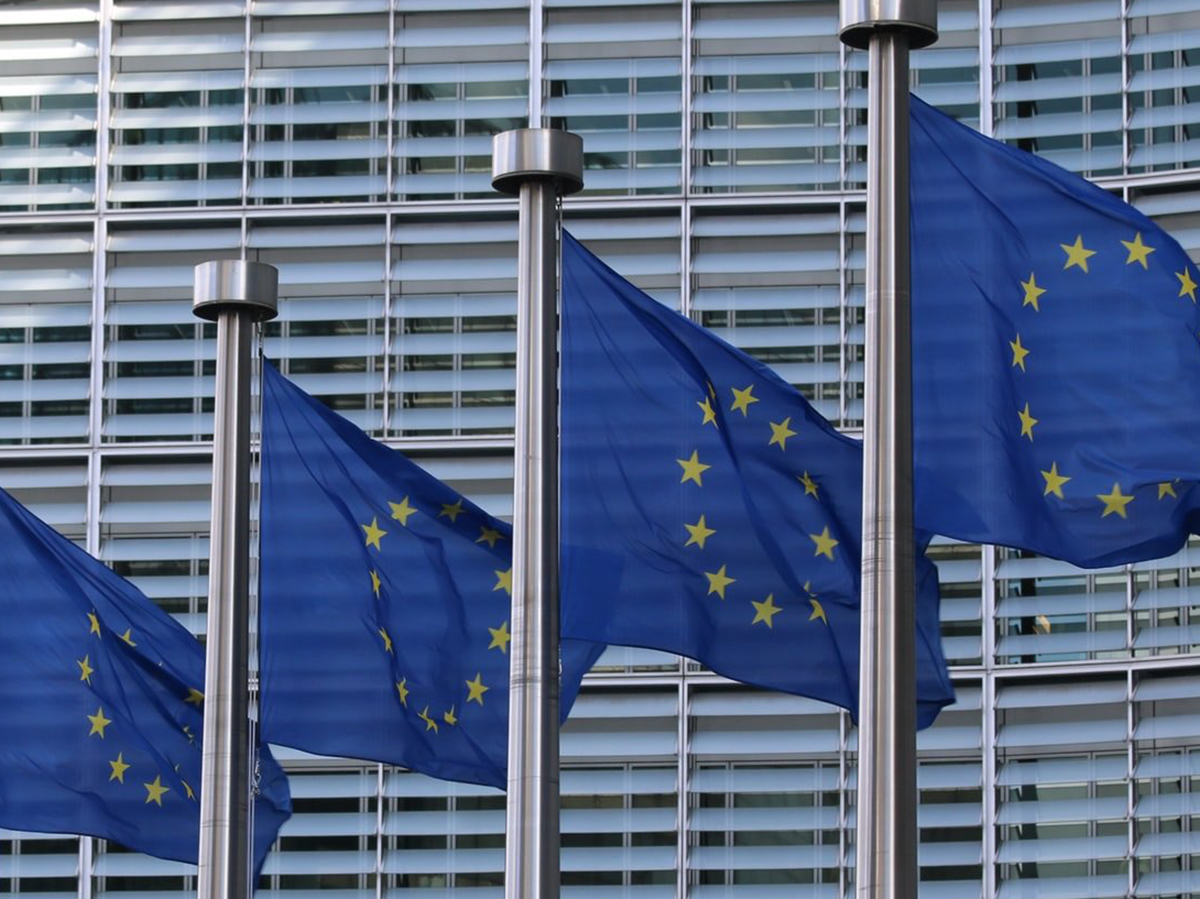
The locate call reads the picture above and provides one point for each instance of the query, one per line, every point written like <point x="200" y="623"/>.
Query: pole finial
<point x="537" y="153"/>
<point x="917" y="19"/>
<point x="229" y="283"/>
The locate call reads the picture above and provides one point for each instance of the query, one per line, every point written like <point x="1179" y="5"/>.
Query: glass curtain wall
<point x="348" y="143"/>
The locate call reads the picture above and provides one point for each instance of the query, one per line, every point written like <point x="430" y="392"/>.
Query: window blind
<point x="177" y="104"/>
<point x="48" y="89"/>
<point x="613" y="75"/>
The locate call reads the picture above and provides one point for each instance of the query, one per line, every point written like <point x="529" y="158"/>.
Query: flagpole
<point x="539" y="165"/>
<point x="235" y="294"/>
<point x="886" y="847"/>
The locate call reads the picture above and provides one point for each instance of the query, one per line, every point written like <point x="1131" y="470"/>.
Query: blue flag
<point x="1056" y="360"/>
<point x="385" y="603"/>
<point x="708" y="509"/>
<point x="101" y="704"/>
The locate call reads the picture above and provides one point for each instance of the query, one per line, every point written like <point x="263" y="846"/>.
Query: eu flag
<point x="101" y="704"/>
<point x="708" y="509"/>
<point x="1056" y="360"/>
<point x="385" y="608"/>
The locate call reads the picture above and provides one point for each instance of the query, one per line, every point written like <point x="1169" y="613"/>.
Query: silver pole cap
<point x="859" y="18"/>
<point x="235" y="283"/>
<point x="537" y="153"/>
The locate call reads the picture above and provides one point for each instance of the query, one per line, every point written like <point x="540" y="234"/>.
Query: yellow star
<point x="718" y="581"/>
<point x="187" y="789"/>
<point x="818" y="611"/>
<point x="476" y="689"/>
<point x="402" y="689"/>
<point x="1114" y="502"/>
<point x="489" y="536"/>
<point x="700" y="531"/>
<point x="155" y="790"/>
<point x="781" y="432"/>
<point x="450" y="718"/>
<point x="374" y="533"/>
<point x="118" y="768"/>
<point x="1138" y="251"/>
<point x="1027" y="423"/>
<point x="764" y="611"/>
<point x="742" y="400"/>
<point x="503" y="581"/>
<point x="1077" y="254"/>
<point x="1019" y="352"/>
<point x="401" y="511"/>
<point x="195" y="697"/>
<point x="128" y="636"/>
<point x="375" y="583"/>
<point x="1054" y="481"/>
<point x="85" y="669"/>
<point x="810" y="486"/>
<point x="500" y="638"/>
<point x="99" y="722"/>
<point x="187" y="730"/>
<point x="430" y="724"/>
<point x="387" y="641"/>
<point x="94" y="627"/>
<point x="451" y="510"/>
<point x="1187" y="287"/>
<point x="1166" y="488"/>
<point x="825" y="544"/>
<point x="710" y="415"/>
<point x="693" y="468"/>
<point x="1032" y="292"/>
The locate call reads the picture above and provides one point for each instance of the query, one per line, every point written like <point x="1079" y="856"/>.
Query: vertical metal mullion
<point x="389" y="96"/>
<point x="988" y="646"/>
<point x="843" y="129"/>
<point x="682" y="783"/>
<point x="987" y="90"/>
<point x="537" y="21"/>
<point x="844" y="310"/>
<point x="96" y="369"/>
<point x="389" y="361"/>
<point x="83" y="884"/>
<point x="248" y="35"/>
<point x="380" y="800"/>
<point x="100" y="228"/>
<point x="87" y="845"/>
<point x="1126" y="101"/>
<point x="1130" y="783"/>
<point x="1130" y="595"/>
<point x="844" y="853"/>
<point x="103" y="105"/>
<point x="392" y="136"/>
<point x="686" y="86"/>
<point x="685" y="259"/>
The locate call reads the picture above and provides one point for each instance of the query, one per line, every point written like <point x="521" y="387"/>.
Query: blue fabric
<point x="415" y="672"/>
<point x="101" y="704"/>
<point x="1035" y="298"/>
<point x="708" y="510"/>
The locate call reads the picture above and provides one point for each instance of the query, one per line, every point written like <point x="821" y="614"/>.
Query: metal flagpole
<point x="235" y="294"/>
<point x="886" y="849"/>
<point x="538" y="165"/>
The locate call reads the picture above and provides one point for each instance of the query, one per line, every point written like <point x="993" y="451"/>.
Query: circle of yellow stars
<point x="1077" y="254"/>
<point x="99" y="722"/>
<point x="498" y="637"/>
<point x="699" y="533"/>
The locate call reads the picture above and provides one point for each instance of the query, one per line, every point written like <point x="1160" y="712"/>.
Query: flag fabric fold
<point x="101" y="704"/>
<point x="385" y="603"/>
<point x="1056" y="357"/>
<point x="708" y="509"/>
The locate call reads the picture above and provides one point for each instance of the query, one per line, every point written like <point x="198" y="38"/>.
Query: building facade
<point x="348" y="143"/>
